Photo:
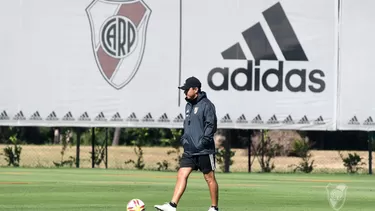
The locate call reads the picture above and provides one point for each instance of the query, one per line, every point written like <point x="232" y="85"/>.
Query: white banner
<point x="356" y="104"/>
<point x="266" y="64"/>
<point x="118" y="63"/>
<point x="90" y="63"/>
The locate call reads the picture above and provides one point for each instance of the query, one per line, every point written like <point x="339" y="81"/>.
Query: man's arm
<point x="209" y="123"/>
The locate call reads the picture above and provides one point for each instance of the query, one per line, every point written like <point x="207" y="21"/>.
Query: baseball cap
<point x="191" y="82"/>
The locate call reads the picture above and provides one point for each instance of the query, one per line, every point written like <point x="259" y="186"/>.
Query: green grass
<point x="100" y="189"/>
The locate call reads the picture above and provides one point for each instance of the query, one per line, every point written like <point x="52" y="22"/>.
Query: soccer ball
<point x="135" y="205"/>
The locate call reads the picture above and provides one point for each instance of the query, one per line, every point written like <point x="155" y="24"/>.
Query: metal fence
<point x="166" y="158"/>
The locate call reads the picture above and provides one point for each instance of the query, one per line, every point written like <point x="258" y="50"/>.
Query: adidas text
<point x="256" y="76"/>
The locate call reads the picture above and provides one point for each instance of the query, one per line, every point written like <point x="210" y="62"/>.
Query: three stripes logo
<point x="36" y="116"/>
<point x="52" y="116"/>
<point x="163" y="118"/>
<point x="257" y="120"/>
<point x="179" y="118"/>
<point x="116" y="117"/>
<point x="319" y="121"/>
<point x="100" y="117"/>
<point x="261" y="49"/>
<point x="273" y="120"/>
<point x="4" y="116"/>
<point x="19" y="116"/>
<point x="304" y="120"/>
<point x="353" y="121"/>
<point x="132" y="118"/>
<point x="68" y="117"/>
<point x="242" y="119"/>
<point x="226" y="119"/>
<point x="288" y="120"/>
<point x="148" y="118"/>
<point x="84" y="117"/>
<point x="369" y="121"/>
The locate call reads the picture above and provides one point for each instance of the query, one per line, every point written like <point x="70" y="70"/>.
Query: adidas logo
<point x="288" y="120"/>
<point x="304" y="120"/>
<point x="132" y="118"/>
<point x="84" y="117"/>
<point x="164" y="118"/>
<point x="261" y="49"/>
<point x="52" y="116"/>
<point x="116" y="117"/>
<point x="179" y="118"/>
<point x="273" y="120"/>
<point x="19" y="116"/>
<point x="319" y="121"/>
<point x="4" y="116"/>
<point x="68" y="117"/>
<point x="353" y="121"/>
<point x="100" y="117"/>
<point x="257" y="120"/>
<point x="226" y="119"/>
<point x="369" y="121"/>
<point x="242" y="119"/>
<point x="36" y="116"/>
<point x="148" y="118"/>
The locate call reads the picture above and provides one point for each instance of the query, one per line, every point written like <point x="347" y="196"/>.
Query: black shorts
<point x="205" y="163"/>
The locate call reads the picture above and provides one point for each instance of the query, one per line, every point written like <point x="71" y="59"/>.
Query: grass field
<point x="43" y="156"/>
<point x="100" y="189"/>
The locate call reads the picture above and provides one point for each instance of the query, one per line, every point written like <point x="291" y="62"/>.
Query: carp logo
<point x="118" y="34"/>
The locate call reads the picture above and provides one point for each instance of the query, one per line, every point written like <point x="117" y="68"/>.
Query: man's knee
<point x="210" y="176"/>
<point x="184" y="172"/>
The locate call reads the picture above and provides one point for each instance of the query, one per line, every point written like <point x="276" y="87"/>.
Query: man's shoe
<point x="165" y="207"/>
<point x="213" y="209"/>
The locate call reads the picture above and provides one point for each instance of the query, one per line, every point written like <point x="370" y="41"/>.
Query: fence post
<point x="93" y="148"/>
<point x="78" y="147"/>
<point x="370" y="142"/>
<point x="106" y="148"/>
<point x="227" y="147"/>
<point x="249" y="153"/>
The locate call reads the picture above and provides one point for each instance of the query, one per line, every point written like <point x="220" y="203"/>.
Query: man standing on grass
<point x="198" y="141"/>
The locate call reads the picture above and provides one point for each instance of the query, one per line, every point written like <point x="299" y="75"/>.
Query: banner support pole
<point x="370" y="142"/>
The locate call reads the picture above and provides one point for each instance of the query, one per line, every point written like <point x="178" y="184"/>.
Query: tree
<point x="116" y="136"/>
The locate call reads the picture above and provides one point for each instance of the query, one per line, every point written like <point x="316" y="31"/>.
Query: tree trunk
<point x="116" y="136"/>
<point x="56" y="138"/>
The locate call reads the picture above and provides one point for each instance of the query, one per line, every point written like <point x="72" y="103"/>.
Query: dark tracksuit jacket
<point x="200" y="126"/>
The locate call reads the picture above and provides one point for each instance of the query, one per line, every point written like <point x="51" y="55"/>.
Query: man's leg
<point x="213" y="187"/>
<point x="207" y="166"/>
<point x="187" y="165"/>
<point x="182" y="177"/>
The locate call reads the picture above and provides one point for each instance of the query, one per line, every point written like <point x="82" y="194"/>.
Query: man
<point x="198" y="141"/>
